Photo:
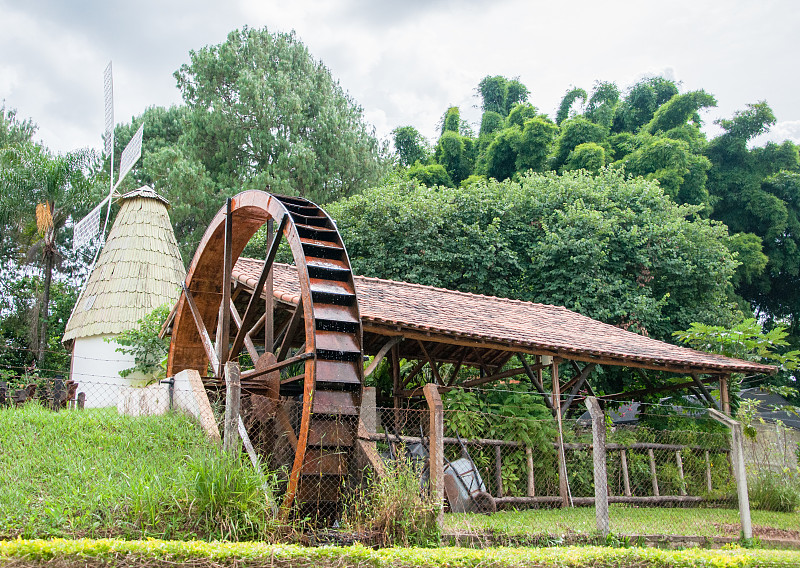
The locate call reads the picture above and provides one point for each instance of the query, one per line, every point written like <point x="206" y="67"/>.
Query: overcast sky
<point x="404" y="61"/>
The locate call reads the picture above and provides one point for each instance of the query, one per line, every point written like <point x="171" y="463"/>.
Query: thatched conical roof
<point x="139" y="269"/>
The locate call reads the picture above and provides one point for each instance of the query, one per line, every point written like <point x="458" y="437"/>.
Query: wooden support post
<point x="626" y="480"/>
<point x="81" y="400"/>
<point x="396" y="375"/>
<point x="599" y="461"/>
<point x="224" y="327"/>
<point x="498" y="470"/>
<point x="436" y="453"/>
<point x="233" y="391"/>
<point x="679" y="461"/>
<point x="709" y="484"/>
<point x="269" y="298"/>
<point x="531" y="480"/>
<point x="653" y="475"/>
<point x="739" y="470"/>
<point x="724" y="395"/>
<point x="563" y="482"/>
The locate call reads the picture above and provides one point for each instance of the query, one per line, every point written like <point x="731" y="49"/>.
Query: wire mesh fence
<point x="671" y="473"/>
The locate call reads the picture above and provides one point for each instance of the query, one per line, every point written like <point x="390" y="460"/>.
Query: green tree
<point x="431" y="175"/>
<point x="613" y="248"/>
<point x="574" y="132"/>
<point x="567" y="102"/>
<point x="452" y="154"/>
<point x="757" y="192"/>
<point x="499" y="94"/>
<point x="410" y="145"/>
<point x="502" y="154"/>
<point x="641" y="102"/>
<point x="679" y="110"/>
<point x="46" y="189"/>
<point x="263" y="112"/>
<point x="535" y="144"/>
<point x="588" y="156"/>
<point x="602" y="103"/>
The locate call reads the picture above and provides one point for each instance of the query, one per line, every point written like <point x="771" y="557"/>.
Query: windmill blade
<point x="87" y="228"/>
<point x="131" y="154"/>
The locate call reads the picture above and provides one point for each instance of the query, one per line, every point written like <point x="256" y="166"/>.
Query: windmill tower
<point x="138" y="270"/>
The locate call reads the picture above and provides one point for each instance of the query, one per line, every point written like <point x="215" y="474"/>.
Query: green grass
<point x="199" y="554"/>
<point x="623" y="520"/>
<point x="96" y="473"/>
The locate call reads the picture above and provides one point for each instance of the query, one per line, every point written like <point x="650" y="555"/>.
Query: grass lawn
<point x="96" y="473"/>
<point x="627" y="520"/>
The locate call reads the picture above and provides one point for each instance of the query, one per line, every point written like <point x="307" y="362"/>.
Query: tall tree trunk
<point x="44" y="313"/>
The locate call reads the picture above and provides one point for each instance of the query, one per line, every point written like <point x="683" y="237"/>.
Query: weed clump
<point x="395" y="508"/>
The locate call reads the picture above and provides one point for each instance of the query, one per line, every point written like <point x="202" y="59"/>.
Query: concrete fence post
<point x="739" y="470"/>
<point x="599" y="459"/>
<point x="233" y="391"/>
<point x="436" y="433"/>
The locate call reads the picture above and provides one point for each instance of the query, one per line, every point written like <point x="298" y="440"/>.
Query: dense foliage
<point x="613" y="248"/>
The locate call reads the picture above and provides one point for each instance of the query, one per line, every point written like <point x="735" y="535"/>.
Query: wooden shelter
<point x="435" y="326"/>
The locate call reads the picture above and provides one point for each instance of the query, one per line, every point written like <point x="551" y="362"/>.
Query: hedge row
<point x="151" y="553"/>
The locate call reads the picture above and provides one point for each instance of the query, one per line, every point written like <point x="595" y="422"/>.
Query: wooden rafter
<point x="579" y="382"/>
<point x="431" y="362"/>
<point x="248" y="343"/>
<point x="291" y="331"/>
<point x="201" y="329"/>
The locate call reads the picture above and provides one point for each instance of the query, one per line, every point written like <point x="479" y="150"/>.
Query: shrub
<point x="771" y="491"/>
<point x="394" y="507"/>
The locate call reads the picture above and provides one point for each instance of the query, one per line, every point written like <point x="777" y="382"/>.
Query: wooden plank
<point x="381" y="354"/>
<point x="679" y="461"/>
<point x="653" y="476"/>
<point x="249" y="375"/>
<point x="578" y="383"/>
<point x="536" y="381"/>
<point x="320" y="461"/>
<point x="531" y="479"/>
<point x="626" y="480"/>
<point x="269" y="294"/>
<point x="205" y="339"/>
<point x="498" y="470"/>
<point x="457" y="367"/>
<point x="709" y="485"/>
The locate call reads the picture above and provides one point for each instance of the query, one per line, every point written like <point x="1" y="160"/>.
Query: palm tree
<point x="33" y="181"/>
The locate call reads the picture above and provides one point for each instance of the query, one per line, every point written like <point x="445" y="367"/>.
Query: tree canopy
<point x="610" y="247"/>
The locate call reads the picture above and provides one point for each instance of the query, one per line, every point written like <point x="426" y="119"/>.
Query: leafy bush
<point x="148" y="349"/>
<point x="771" y="491"/>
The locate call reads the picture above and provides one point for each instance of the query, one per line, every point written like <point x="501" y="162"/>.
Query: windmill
<point x="136" y="270"/>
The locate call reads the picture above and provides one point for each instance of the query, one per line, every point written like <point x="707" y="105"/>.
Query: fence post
<point x="739" y="470"/>
<point x="233" y="389"/>
<point x="436" y="433"/>
<point x="600" y="473"/>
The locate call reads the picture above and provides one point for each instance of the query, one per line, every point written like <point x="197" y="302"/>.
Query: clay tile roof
<point x="448" y="314"/>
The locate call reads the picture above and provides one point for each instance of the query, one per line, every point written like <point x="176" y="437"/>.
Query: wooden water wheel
<point x="322" y="334"/>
